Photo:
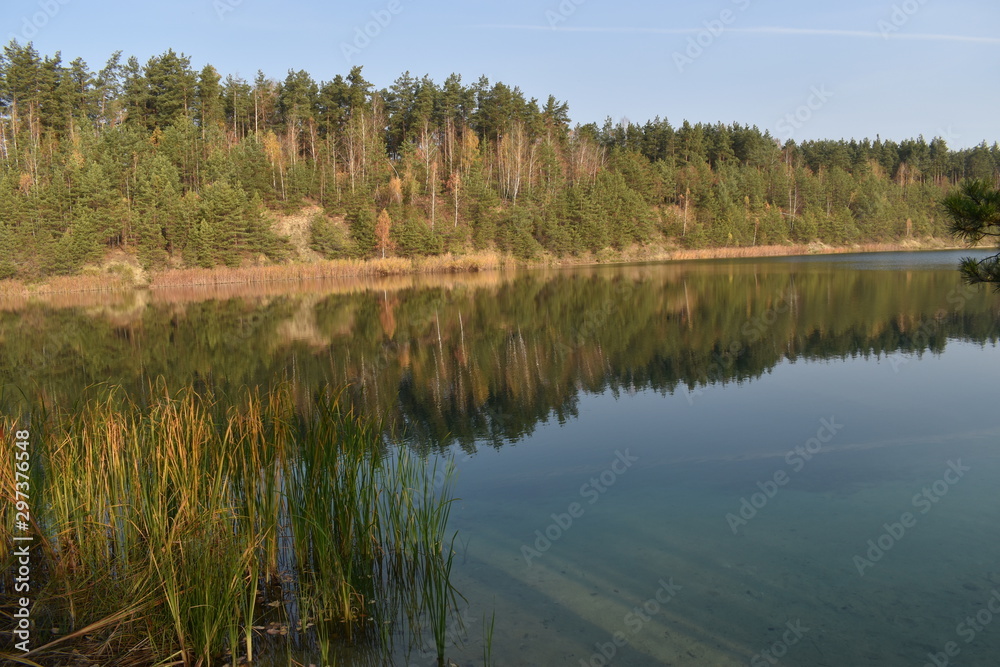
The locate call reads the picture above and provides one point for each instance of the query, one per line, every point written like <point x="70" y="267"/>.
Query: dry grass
<point x="325" y="287"/>
<point x="667" y="252"/>
<point x="664" y="253"/>
<point x="122" y="306"/>
<point x="16" y="294"/>
<point x="279" y="272"/>
<point x="57" y="284"/>
<point x="340" y="268"/>
<point x="449" y="263"/>
<point x="786" y="250"/>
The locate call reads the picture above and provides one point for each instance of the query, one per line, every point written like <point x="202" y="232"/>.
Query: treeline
<point x="181" y="166"/>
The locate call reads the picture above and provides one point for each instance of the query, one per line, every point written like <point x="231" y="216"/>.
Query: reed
<point x="183" y="523"/>
<point x="327" y="269"/>
<point x="488" y="639"/>
<point x="110" y="284"/>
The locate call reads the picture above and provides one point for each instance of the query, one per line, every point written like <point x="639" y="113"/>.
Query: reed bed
<point x="340" y="268"/>
<point x="79" y="283"/>
<point x="14" y="294"/>
<point x="192" y="529"/>
<point x="801" y="249"/>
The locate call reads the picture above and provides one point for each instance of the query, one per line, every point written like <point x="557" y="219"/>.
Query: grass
<point x="179" y="527"/>
<point x="787" y="250"/>
<point x="340" y="268"/>
<point x="15" y="293"/>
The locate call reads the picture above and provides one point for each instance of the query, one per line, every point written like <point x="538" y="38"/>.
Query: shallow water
<point x="693" y="456"/>
<point x="787" y="558"/>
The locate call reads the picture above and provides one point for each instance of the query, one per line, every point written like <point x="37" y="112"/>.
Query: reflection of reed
<point x="341" y="268"/>
<point x="461" y="357"/>
<point x="211" y="285"/>
<point x="15" y="301"/>
<point x="329" y="286"/>
<point x="121" y="307"/>
<point x="63" y="291"/>
<point x="257" y="292"/>
<point x="789" y="250"/>
<point x="243" y="503"/>
<point x="282" y="279"/>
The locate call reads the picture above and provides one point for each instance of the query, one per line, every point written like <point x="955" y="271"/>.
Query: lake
<point x="788" y="460"/>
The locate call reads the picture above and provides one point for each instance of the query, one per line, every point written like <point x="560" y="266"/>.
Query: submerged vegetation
<point x="178" y="168"/>
<point x="200" y="529"/>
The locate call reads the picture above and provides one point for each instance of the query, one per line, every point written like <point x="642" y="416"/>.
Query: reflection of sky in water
<point x="945" y="259"/>
<point x="666" y="517"/>
<point x="896" y="398"/>
<point x="451" y="358"/>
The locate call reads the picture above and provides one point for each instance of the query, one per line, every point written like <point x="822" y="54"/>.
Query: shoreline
<point x="122" y="275"/>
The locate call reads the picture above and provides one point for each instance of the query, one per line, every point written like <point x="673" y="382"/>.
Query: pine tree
<point x="975" y="215"/>
<point x="159" y="223"/>
<point x="361" y="221"/>
<point x="325" y="238"/>
<point x="209" y="101"/>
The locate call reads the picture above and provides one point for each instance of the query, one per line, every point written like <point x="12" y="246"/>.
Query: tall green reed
<point x="193" y="519"/>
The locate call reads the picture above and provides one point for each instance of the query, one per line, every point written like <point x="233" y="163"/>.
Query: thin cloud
<point x="865" y="34"/>
<point x="870" y="34"/>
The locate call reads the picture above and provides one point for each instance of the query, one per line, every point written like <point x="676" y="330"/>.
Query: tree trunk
<point x="433" y="191"/>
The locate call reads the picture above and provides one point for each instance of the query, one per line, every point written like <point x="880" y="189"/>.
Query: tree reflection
<point x="488" y="360"/>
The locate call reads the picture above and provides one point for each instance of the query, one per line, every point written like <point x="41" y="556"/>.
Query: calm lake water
<point x="672" y="464"/>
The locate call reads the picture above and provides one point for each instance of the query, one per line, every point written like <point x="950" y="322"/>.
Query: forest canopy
<point x="183" y="167"/>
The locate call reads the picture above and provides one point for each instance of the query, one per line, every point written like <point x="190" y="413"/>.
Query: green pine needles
<point x="975" y="215"/>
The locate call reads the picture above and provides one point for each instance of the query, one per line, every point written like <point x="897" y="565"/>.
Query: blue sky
<point x="800" y="70"/>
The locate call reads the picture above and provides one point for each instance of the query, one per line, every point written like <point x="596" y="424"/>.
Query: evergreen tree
<point x="361" y="221"/>
<point x="325" y="238"/>
<point x="975" y="215"/>
<point x="209" y="100"/>
<point x="183" y="166"/>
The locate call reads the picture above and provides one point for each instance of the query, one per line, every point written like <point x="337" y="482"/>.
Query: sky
<point x="800" y="70"/>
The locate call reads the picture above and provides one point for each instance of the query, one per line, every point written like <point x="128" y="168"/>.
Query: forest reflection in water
<point x="486" y="357"/>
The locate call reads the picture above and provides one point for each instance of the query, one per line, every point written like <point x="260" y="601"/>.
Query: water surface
<point x="694" y="456"/>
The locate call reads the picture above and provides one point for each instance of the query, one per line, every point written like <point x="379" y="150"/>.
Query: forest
<point x="181" y="167"/>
